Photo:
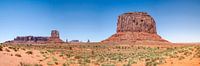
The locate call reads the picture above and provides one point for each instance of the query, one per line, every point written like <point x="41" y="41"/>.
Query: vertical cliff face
<point x="136" y="22"/>
<point x="54" y="34"/>
<point x="135" y="26"/>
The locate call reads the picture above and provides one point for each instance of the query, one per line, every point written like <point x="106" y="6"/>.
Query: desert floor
<point x="100" y="54"/>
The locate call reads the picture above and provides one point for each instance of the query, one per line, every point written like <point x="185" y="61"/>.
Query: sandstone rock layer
<point x="135" y="26"/>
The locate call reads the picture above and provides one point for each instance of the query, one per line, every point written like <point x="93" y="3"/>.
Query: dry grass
<point x="109" y="54"/>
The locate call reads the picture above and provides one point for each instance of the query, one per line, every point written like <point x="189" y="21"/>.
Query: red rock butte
<point x="55" y="38"/>
<point x="135" y="26"/>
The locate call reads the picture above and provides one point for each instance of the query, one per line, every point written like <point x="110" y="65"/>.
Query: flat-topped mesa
<point x="54" y="38"/>
<point x="135" y="26"/>
<point x="136" y="22"/>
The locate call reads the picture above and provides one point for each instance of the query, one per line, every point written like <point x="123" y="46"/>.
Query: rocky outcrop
<point x="135" y="26"/>
<point x="54" y="38"/>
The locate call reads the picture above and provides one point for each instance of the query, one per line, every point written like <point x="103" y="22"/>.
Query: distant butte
<point x="135" y="26"/>
<point x="54" y="38"/>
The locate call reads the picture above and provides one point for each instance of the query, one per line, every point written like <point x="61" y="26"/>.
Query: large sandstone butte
<point x="54" y="38"/>
<point x="135" y="26"/>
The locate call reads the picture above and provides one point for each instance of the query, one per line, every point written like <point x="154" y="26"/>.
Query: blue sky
<point x="176" y="20"/>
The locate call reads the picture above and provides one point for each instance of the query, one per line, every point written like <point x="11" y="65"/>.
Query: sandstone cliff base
<point x="132" y="37"/>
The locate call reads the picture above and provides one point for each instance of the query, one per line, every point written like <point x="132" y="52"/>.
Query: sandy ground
<point x="8" y="58"/>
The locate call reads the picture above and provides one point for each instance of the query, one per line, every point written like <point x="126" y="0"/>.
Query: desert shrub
<point x="173" y="56"/>
<point x="50" y="51"/>
<point x="154" y="61"/>
<point x="40" y="60"/>
<point x="147" y="59"/>
<point x="1" y="48"/>
<point x="37" y="64"/>
<point x="18" y="55"/>
<point x="77" y="57"/>
<point x="61" y="55"/>
<point x="54" y="59"/>
<point x="197" y="55"/>
<point x="131" y="62"/>
<point x="29" y="52"/>
<point x="50" y="63"/>
<point x="7" y="50"/>
<point x="158" y="48"/>
<point x="107" y="65"/>
<point x="14" y="48"/>
<point x="126" y="64"/>
<point x="80" y="61"/>
<point x="181" y="58"/>
<point x="92" y="52"/>
<point x="116" y="57"/>
<point x="181" y="51"/>
<point x="187" y="53"/>
<point x="161" y="61"/>
<point x="84" y="60"/>
<point x="70" y="48"/>
<point x="151" y="63"/>
<point x="10" y="47"/>
<point x="68" y="55"/>
<point x="23" y="49"/>
<point x="101" y="59"/>
<point x="43" y="52"/>
<point x="64" y="64"/>
<point x="56" y="63"/>
<point x="24" y="64"/>
<point x="87" y="60"/>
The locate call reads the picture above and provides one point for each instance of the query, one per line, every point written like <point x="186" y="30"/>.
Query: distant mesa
<point x="54" y="38"/>
<point x="135" y="26"/>
<point x="74" y="41"/>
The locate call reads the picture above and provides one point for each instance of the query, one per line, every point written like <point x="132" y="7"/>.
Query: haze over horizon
<point x="176" y="20"/>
